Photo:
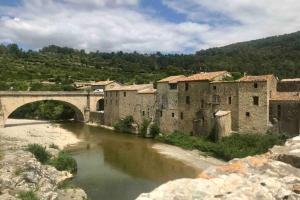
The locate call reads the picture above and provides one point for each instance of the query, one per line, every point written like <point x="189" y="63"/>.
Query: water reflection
<point x="119" y="166"/>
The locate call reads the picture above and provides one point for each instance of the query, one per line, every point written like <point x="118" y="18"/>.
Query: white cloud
<point x="113" y="25"/>
<point x="239" y="20"/>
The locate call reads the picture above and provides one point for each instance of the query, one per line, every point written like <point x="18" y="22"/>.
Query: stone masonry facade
<point x="196" y="104"/>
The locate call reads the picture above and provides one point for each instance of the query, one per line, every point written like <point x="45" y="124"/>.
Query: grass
<point x="39" y="152"/>
<point x="63" y="162"/>
<point x="29" y="195"/>
<point x="234" y="146"/>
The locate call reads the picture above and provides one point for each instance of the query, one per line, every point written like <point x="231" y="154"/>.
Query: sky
<point x="145" y="26"/>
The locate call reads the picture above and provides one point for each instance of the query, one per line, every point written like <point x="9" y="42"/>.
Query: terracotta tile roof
<point x="256" y="78"/>
<point x="204" y="76"/>
<point x="147" y="91"/>
<point x="171" y="79"/>
<point x="131" y="87"/>
<point x="291" y="80"/>
<point x="102" y="82"/>
<point x="286" y="96"/>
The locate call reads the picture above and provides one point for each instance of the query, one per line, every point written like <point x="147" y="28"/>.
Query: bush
<point x="64" y="162"/>
<point x="53" y="146"/>
<point x="39" y="152"/>
<point x="144" y="127"/>
<point x="234" y="146"/>
<point x="154" y="130"/>
<point x="124" y="125"/>
<point x="30" y="195"/>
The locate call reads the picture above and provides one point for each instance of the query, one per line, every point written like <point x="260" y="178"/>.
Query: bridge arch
<point x="79" y="116"/>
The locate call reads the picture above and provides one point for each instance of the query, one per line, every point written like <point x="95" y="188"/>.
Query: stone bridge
<point x="81" y="102"/>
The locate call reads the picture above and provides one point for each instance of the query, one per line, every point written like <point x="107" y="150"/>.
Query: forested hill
<point x="21" y="70"/>
<point x="279" y="55"/>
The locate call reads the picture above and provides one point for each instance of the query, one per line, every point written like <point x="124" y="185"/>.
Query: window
<point x="161" y="113"/>
<point x="202" y="103"/>
<point x="116" y="94"/>
<point x="255" y="85"/>
<point x="181" y="115"/>
<point x="256" y="100"/>
<point x="214" y="87"/>
<point x="173" y="86"/>
<point x="124" y="94"/>
<point x="143" y="113"/>
<point x="216" y="99"/>
<point x="173" y="115"/>
<point x="229" y="100"/>
<point x="247" y="114"/>
<point x="186" y="86"/>
<point x="106" y="94"/>
<point x="187" y="100"/>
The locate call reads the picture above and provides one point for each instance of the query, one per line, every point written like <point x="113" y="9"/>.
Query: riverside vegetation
<point x="62" y="162"/>
<point x="234" y="146"/>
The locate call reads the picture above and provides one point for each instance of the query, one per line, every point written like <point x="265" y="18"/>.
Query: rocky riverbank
<point x="20" y="172"/>
<point x="275" y="175"/>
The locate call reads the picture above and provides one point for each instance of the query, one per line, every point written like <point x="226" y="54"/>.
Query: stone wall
<point x="253" y="118"/>
<point x="227" y="93"/>
<point x="285" y="116"/>
<point x="111" y="107"/>
<point x="97" y="117"/>
<point x="167" y="106"/>
<point x="289" y="86"/>
<point x="196" y="116"/>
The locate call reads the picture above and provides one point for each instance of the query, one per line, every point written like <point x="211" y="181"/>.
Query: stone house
<point x="194" y="102"/>
<point x="135" y="100"/>
<point x="167" y="103"/>
<point x="104" y="85"/>
<point x="289" y="85"/>
<point x="285" y="113"/>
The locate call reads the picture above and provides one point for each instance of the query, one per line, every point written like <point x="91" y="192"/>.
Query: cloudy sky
<point x="181" y="26"/>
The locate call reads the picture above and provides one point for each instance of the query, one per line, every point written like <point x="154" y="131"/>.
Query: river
<point x="116" y="166"/>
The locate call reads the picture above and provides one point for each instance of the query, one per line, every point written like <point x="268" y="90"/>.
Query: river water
<point x="116" y="166"/>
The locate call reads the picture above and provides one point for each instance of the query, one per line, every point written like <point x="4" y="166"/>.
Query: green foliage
<point x="234" y="146"/>
<point x="47" y="110"/>
<point x="53" y="146"/>
<point x="30" y="195"/>
<point x="124" y="125"/>
<point x="154" y="130"/>
<point x="39" y="152"/>
<point x="144" y="127"/>
<point x="64" y="162"/>
<point x="23" y="70"/>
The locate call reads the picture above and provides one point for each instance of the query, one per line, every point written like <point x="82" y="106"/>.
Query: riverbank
<point x="21" y="174"/>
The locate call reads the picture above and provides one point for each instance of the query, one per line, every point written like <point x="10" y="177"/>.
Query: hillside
<point x="21" y="69"/>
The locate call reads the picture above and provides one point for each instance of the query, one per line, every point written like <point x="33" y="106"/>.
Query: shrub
<point x="234" y="146"/>
<point x="144" y="127"/>
<point x="154" y="130"/>
<point x="124" y="125"/>
<point x="30" y="195"/>
<point x="64" y="162"/>
<point x="66" y="184"/>
<point x="53" y="146"/>
<point x="39" y="152"/>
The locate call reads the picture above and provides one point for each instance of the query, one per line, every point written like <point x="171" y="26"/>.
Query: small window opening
<point x="229" y="100"/>
<point x="214" y="87"/>
<point x="124" y="94"/>
<point x="247" y="114"/>
<point x="186" y="86"/>
<point x="256" y="100"/>
<point x="187" y="100"/>
<point x="181" y="115"/>
<point x="143" y="113"/>
<point x="255" y="85"/>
